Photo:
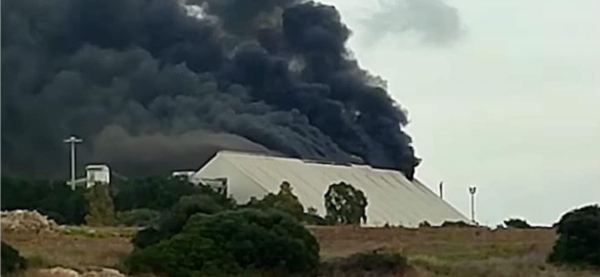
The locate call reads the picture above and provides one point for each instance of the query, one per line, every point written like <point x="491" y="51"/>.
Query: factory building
<point x="393" y="199"/>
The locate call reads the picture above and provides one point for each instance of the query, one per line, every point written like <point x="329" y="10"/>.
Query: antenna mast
<point x="472" y="191"/>
<point x="72" y="140"/>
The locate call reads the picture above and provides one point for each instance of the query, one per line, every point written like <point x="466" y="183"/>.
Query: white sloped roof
<point x="392" y="198"/>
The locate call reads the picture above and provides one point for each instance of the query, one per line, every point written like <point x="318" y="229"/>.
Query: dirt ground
<point x="75" y="250"/>
<point x="456" y="252"/>
<point x="432" y="251"/>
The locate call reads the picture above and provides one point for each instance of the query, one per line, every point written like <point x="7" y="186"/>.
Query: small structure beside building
<point x="97" y="174"/>
<point x="217" y="184"/>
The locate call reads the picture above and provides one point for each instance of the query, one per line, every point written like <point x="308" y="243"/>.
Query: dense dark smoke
<point x="159" y="85"/>
<point x="146" y="153"/>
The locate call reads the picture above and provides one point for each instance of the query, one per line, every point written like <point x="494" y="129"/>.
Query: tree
<point x="345" y="204"/>
<point x="160" y="193"/>
<point x="229" y="243"/>
<point x="49" y="197"/>
<point x="172" y="221"/>
<point x="517" y="223"/>
<point x="100" y="204"/>
<point x="285" y="200"/>
<point x="578" y="241"/>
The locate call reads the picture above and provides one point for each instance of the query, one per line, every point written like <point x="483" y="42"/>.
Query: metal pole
<point x="472" y="191"/>
<point x="73" y="165"/>
<point x="441" y="190"/>
<point x="72" y="140"/>
<point x="473" y="208"/>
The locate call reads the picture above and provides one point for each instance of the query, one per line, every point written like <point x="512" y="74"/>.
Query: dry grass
<point x="432" y="251"/>
<point x="454" y="252"/>
<point x="77" y="251"/>
<point x="445" y="244"/>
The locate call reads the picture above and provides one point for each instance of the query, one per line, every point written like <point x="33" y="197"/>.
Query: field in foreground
<point x="431" y="251"/>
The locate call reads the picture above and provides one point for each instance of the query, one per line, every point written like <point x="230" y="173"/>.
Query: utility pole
<point x="472" y="191"/>
<point x="442" y="189"/>
<point x="72" y="140"/>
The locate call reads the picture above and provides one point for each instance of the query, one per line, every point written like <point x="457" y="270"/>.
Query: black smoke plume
<point x="158" y="85"/>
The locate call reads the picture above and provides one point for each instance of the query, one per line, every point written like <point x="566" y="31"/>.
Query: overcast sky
<point x="504" y="95"/>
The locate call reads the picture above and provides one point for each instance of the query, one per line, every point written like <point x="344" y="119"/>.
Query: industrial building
<point x="94" y="174"/>
<point x="393" y="199"/>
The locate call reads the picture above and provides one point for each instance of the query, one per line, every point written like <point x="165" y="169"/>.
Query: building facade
<point x="393" y="199"/>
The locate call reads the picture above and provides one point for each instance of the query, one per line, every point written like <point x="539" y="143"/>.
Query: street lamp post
<point x="472" y="191"/>
<point x="72" y="140"/>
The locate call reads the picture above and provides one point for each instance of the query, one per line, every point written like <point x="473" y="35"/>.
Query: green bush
<point x="158" y="193"/>
<point x="578" y="241"/>
<point x="456" y="224"/>
<point x="11" y="259"/>
<point x="424" y="224"/>
<point x="139" y="217"/>
<point x="155" y="193"/>
<point x="517" y="223"/>
<point x="284" y="201"/>
<point x="184" y="255"/>
<point x="231" y="242"/>
<point x="315" y="220"/>
<point x="52" y="198"/>
<point x="377" y="262"/>
<point x="172" y="222"/>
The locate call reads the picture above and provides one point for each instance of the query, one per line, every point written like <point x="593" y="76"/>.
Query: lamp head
<point x="472" y="190"/>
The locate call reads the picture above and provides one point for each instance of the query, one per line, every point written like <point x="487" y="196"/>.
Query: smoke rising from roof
<point x="157" y="85"/>
<point x="146" y="153"/>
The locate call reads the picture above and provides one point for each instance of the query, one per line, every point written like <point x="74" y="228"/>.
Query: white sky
<point x="512" y="106"/>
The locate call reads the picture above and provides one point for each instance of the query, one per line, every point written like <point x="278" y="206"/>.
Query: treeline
<point x="66" y="206"/>
<point x="209" y="235"/>
<point x="143" y="201"/>
<point x="50" y="197"/>
<point x="194" y="231"/>
<point x="191" y="230"/>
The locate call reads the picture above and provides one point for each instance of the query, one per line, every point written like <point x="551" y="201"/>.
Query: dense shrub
<point x="315" y="220"/>
<point x="284" y="201"/>
<point x="172" y="221"/>
<point x="155" y="193"/>
<point x="345" y="204"/>
<point x="578" y="240"/>
<point x="52" y="198"/>
<point x="312" y="218"/>
<point x="424" y="224"/>
<point x="231" y="242"/>
<point x="517" y="223"/>
<point x="139" y="217"/>
<point x="11" y="259"/>
<point x="160" y="194"/>
<point x="456" y="224"/>
<point x="373" y="263"/>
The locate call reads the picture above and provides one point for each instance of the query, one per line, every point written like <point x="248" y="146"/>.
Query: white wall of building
<point x="392" y="198"/>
